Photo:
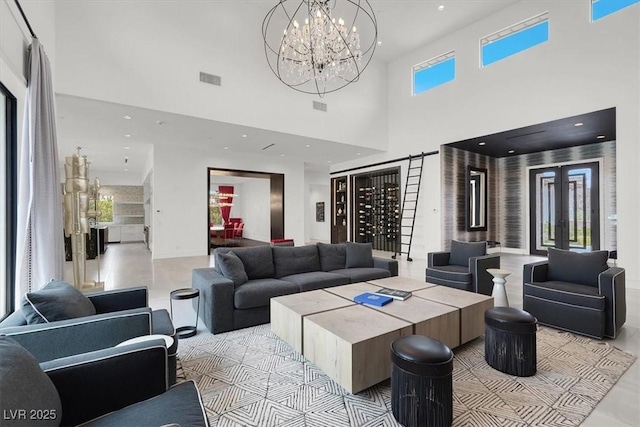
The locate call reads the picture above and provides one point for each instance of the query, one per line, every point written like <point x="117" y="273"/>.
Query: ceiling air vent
<point x="210" y="79"/>
<point x="320" y="106"/>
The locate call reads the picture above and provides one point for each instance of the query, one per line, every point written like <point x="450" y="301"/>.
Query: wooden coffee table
<point x="472" y="307"/>
<point x="288" y="311"/>
<point x="435" y="320"/>
<point x="351" y="344"/>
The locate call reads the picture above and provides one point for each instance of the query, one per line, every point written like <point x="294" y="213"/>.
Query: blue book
<point x="372" y="299"/>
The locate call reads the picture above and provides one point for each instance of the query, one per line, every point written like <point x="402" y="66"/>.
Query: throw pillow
<point x="461" y="252"/>
<point x="232" y="268"/>
<point x="58" y="300"/>
<point x="29" y="397"/>
<point x="577" y="267"/>
<point x="358" y="255"/>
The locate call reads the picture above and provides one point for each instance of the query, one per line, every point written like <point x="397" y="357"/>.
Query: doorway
<point x="262" y="201"/>
<point x="564" y="206"/>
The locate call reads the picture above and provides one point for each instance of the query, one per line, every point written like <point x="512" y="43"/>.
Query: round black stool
<point x="186" y="294"/>
<point x="510" y="341"/>
<point x="421" y="383"/>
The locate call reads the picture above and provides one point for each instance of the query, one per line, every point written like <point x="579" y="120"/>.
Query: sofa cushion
<point x="450" y="273"/>
<point x="257" y="293"/>
<point x="180" y="405"/>
<point x="24" y="386"/>
<point x="257" y="260"/>
<point x="332" y="256"/>
<point x="289" y="260"/>
<point x="576" y="267"/>
<point x="316" y="280"/>
<point x="462" y="251"/>
<point x="58" y="300"/>
<point x="356" y="274"/>
<point x="358" y="255"/>
<point x="232" y="268"/>
<point x="566" y="293"/>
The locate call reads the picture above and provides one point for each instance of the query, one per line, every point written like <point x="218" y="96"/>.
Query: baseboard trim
<point x="516" y="251"/>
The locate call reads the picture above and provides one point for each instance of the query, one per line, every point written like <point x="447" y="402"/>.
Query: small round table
<point x="499" y="293"/>
<point x="185" y="294"/>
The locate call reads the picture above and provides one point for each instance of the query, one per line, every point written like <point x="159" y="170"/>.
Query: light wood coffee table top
<point x="352" y="290"/>
<point x="356" y="323"/>
<point x="305" y="303"/>
<point x="401" y="283"/>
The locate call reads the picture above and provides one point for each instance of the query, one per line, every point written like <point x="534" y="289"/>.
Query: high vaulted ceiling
<point x="98" y="127"/>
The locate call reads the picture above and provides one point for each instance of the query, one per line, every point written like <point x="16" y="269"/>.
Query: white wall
<point x="149" y="54"/>
<point x="584" y="67"/>
<point x="256" y="209"/>
<point x="317" y="189"/>
<point x="180" y="196"/>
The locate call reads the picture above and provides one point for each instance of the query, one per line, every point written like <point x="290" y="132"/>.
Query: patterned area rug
<point x="250" y="377"/>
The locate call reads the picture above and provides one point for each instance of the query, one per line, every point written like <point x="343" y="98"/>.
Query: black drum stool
<point x="510" y="341"/>
<point x="421" y="383"/>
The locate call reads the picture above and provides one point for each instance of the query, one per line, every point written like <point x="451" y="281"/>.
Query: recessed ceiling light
<point x="601" y="136"/>
<point x="126" y="117"/>
<point x="379" y="42"/>
<point x="126" y="170"/>
<point x="244" y="135"/>
<point x="511" y="151"/>
<point x="281" y="155"/>
<point x="441" y="7"/>
<point x="226" y="148"/>
<point x="328" y="161"/>
<point x="482" y="143"/>
<point x="357" y="154"/>
<point x="128" y="135"/>
<point x="126" y="148"/>
<point x="579" y="124"/>
<point x="308" y="145"/>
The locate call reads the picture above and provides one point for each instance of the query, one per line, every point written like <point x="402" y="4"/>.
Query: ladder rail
<point x="412" y="217"/>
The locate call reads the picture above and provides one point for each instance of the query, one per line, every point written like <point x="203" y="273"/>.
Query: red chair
<point x="229" y="230"/>
<point x="237" y="230"/>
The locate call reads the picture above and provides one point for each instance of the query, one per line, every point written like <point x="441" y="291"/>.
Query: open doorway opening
<point x="245" y="208"/>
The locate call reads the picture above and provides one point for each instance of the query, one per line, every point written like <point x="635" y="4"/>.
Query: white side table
<point x="499" y="293"/>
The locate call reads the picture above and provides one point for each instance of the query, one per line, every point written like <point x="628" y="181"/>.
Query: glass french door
<point x="564" y="208"/>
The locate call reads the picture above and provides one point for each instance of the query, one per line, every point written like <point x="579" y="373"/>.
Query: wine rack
<point x="376" y="209"/>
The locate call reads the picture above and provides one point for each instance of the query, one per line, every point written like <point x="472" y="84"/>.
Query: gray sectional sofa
<point x="236" y="293"/>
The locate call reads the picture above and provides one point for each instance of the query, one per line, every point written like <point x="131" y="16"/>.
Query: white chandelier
<point x="315" y="52"/>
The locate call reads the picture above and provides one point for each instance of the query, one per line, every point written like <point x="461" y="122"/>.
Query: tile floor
<point x="129" y="264"/>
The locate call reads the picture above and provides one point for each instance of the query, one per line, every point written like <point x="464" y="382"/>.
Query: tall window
<point x="434" y="72"/>
<point x="105" y="207"/>
<point x="514" y="39"/>
<point x="8" y="203"/>
<point x="602" y="8"/>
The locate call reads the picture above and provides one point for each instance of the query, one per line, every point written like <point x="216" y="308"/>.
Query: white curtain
<point x="40" y="244"/>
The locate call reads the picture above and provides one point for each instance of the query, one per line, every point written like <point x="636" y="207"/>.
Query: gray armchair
<point x="577" y="292"/>
<point x="120" y="315"/>
<point x="126" y="385"/>
<point x="463" y="267"/>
